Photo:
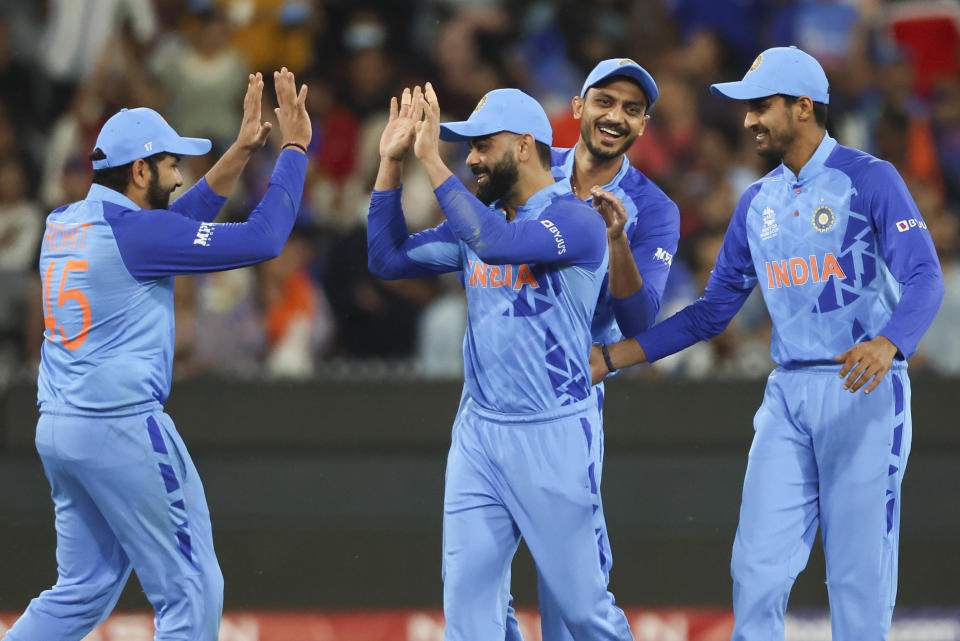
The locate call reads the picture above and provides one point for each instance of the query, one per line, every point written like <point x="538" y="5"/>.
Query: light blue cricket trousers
<point x="533" y="476"/>
<point x="822" y="456"/>
<point x="126" y="496"/>
<point x="552" y="627"/>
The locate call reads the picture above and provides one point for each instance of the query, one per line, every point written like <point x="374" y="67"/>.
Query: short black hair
<point x="819" y="109"/>
<point x="118" y="178"/>
<point x="546" y="157"/>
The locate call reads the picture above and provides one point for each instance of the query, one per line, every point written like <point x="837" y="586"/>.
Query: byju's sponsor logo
<point x="557" y="236"/>
<point x="910" y="223"/>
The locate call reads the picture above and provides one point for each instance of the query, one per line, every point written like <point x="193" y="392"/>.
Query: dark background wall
<point x="328" y="494"/>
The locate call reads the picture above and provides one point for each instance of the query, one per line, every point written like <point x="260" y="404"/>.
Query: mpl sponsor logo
<point x="910" y="223"/>
<point x="663" y="255"/>
<point x="557" y="236"/>
<point x="798" y="271"/>
<point x="204" y="234"/>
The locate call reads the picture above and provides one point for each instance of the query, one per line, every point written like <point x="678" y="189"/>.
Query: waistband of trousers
<point x="589" y="404"/>
<point x="63" y="409"/>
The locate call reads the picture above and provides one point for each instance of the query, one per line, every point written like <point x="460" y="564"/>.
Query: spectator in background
<point x="77" y="32"/>
<point x="204" y="74"/>
<point x="272" y="33"/>
<point x="20" y="229"/>
<point x="297" y="317"/>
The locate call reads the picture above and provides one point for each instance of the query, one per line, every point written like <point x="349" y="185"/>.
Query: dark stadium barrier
<point x="328" y="494"/>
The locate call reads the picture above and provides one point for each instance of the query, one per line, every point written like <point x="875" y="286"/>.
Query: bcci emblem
<point x="480" y="104"/>
<point x="756" y="63"/>
<point x="626" y="61"/>
<point x="823" y="218"/>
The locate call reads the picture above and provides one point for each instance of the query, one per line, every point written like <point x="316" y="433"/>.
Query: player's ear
<point x="526" y="147"/>
<point x="140" y="173"/>
<point x="577" y="105"/>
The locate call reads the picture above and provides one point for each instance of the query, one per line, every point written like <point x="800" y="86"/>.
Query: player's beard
<point x="778" y="142"/>
<point x="501" y="179"/>
<point x="158" y="197"/>
<point x="588" y="130"/>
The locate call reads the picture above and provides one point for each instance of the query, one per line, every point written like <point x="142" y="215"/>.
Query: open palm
<point x="401" y="128"/>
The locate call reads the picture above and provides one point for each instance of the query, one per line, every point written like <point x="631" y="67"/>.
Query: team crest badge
<point x="823" y="218"/>
<point x="480" y="104"/>
<point x="756" y="63"/>
<point x="626" y="61"/>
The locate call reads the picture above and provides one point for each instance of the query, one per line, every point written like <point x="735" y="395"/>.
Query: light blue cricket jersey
<point x="107" y="268"/>
<point x="532" y="286"/>
<point x="652" y="229"/>
<point x="841" y="255"/>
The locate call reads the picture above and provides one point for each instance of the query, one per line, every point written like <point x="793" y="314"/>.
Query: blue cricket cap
<point x="130" y="134"/>
<point x="623" y="67"/>
<point x="502" y="110"/>
<point x="780" y="70"/>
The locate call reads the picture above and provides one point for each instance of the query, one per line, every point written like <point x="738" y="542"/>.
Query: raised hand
<point x="292" y="114"/>
<point x="612" y="210"/>
<point x="253" y="132"/>
<point x="400" y="131"/>
<point x="427" y="143"/>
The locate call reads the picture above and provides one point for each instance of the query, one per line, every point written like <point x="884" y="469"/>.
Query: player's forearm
<point x="625" y="278"/>
<point x="390" y="174"/>
<point x="223" y="176"/>
<point x="436" y="170"/>
<point x="626" y="353"/>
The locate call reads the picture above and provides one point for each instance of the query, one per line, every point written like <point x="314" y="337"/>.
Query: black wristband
<point x="606" y="357"/>
<point x="294" y="144"/>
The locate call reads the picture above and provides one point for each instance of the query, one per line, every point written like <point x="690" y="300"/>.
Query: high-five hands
<point x="612" y="209"/>
<point x="253" y="132"/>
<point x="295" y="126"/>
<point x="402" y="125"/>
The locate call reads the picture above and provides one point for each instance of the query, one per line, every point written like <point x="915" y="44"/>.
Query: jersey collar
<point x="105" y="194"/>
<point x="540" y="200"/>
<point x="568" y="170"/>
<point x="816" y="163"/>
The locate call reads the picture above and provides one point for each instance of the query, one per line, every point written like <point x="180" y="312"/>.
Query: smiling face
<point x="611" y="115"/>
<point x="773" y="124"/>
<point x="492" y="161"/>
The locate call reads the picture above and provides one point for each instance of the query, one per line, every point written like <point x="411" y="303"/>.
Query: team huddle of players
<point x="564" y="255"/>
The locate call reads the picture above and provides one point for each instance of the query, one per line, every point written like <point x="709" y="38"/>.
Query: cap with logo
<point x="780" y="70"/>
<point x="502" y="110"/>
<point x="623" y="67"/>
<point x="130" y="134"/>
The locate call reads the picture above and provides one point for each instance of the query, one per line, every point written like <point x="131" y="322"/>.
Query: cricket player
<point x="644" y="227"/>
<point x="532" y="258"/>
<point x="126" y="493"/>
<point x="851" y="280"/>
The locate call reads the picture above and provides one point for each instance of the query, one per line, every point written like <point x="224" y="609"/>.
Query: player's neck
<point x="803" y="149"/>
<point x="530" y="182"/>
<point x="590" y="171"/>
<point x="138" y="196"/>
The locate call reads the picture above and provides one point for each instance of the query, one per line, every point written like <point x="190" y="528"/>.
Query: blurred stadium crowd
<point x="67" y="65"/>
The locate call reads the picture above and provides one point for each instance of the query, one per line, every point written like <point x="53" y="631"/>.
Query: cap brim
<point x="740" y="90"/>
<point x="464" y="130"/>
<point x="189" y="146"/>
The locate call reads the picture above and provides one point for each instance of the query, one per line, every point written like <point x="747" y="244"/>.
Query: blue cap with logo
<point x="780" y="70"/>
<point x="623" y="67"/>
<point x="502" y="110"/>
<point x="130" y="134"/>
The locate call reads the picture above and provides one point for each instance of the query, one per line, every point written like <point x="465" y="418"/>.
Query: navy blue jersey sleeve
<point x="199" y="202"/>
<point x="653" y="243"/>
<point x="731" y="280"/>
<point x="393" y="253"/>
<point x="567" y="231"/>
<point x="157" y="242"/>
<point x="908" y="251"/>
